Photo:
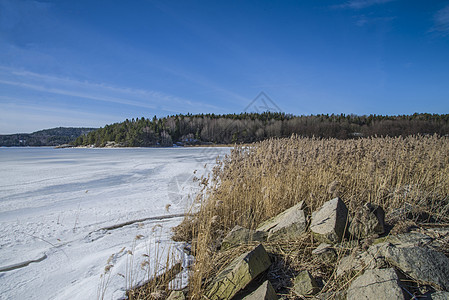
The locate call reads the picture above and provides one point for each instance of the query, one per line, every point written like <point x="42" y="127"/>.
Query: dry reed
<point x="407" y="176"/>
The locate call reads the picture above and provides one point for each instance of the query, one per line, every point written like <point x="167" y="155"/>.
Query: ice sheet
<point x="55" y="204"/>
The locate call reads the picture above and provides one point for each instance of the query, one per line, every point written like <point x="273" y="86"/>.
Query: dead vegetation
<point x="406" y="176"/>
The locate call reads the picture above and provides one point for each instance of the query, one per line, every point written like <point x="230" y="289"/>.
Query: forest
<point x="241" y="128"/>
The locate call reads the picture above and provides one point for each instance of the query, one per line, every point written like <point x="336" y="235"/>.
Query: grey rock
<point x="341" y="295"/>
<point x="325" y="251"/>
<point x="239" y="235"/>
<point x="329" y="222"/>
<point x="264" y="291"/>
<point x="373" y="258"/>
<point x="289" y="224"/>
<point x="305" y="284"/>
<point x="322" y="248"/>
<point x="348" y="264"/>
<point x="376" y="284"/>
<point x="420" y="263"/>
<point x="368" y="220"/>
<point x="238" y="274"/>
<point x="440" y="236"/>
<point x="411" y="238"/>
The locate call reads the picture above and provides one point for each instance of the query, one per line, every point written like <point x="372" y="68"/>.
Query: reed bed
<point x="407" y="176"/>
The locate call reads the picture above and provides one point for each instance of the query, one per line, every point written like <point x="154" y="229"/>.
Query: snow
<point x="66" y="214"/>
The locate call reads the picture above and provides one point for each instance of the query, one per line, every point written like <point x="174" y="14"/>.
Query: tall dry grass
<point x="404" y="175"/>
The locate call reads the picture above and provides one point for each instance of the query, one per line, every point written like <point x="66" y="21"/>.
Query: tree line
<point x="252" y="127"/>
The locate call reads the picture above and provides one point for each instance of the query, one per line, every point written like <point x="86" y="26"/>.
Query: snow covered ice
<point x="66" y="214"/>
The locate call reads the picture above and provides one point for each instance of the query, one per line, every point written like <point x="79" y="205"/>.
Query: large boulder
<point x="264" y="292"/>
<point x="376" y="284"/>
<point x="238" y="274"/>
<point x="420" y="263"/>
<point x="330" y="221"/>
<point x="368" y="221"/>
<point x="240" y="235"/>
<point x="289" y="224"/>
<point x="304" y="284"/>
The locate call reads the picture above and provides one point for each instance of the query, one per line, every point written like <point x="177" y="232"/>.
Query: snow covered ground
<point x="56" y="206"/>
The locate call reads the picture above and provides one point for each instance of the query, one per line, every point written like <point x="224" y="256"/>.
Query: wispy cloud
<point x="441" y="21"/>
<point x="44" y="83"/>
<point x="16" y="116"/>
<point x="360" y="4"/>
<point x="31" y="101"/>
<point x="363" y="20"/>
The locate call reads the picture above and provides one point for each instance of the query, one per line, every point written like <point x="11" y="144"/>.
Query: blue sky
<point x="92" y="63"/>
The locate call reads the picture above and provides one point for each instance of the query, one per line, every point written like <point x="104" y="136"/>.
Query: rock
<point x="411" y="238"/>
<point x="341" y="295"/>
<point x="325" y="251"/>
<point x="176" y="295"/>
<point x="420" y="263"/>
<point x="238" y="274"/>
<point x="264" y="291"/>
<point x="305" y="284"/>
<point x="289" y="224"/>
<point x="376" y="284"/>
<point x="348" y="264"/>
<point x="329" y="223"/>
<point x="410" y="211"/>
<point x="368" y="221"/>
<point x="322" y="248"/>
<point x="239" y="235"/>
<point x="440" y="236"/>
<point x="441" y="295"/>
<point x="371" y="259"/>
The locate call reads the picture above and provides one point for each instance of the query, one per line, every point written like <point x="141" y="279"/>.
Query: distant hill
<point x="252" y="127"/>
<point x="47" y="137"/>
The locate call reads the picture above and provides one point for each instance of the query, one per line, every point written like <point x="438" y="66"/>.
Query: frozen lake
<point x="55" y="204"/>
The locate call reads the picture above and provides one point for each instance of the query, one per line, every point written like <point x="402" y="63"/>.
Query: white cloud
<point x="360" y="4"/>
<point x="441" y="21"/>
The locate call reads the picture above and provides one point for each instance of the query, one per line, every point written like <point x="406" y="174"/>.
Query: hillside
<point x="47" y="137"/>
<point x="253" y="127"/>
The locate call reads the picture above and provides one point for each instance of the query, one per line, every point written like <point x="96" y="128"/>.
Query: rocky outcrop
<point x="288" y="225"/>
<point x="265" y="291"/>
<point x="238" y="274"/>
<point x="239" y="235"/>
<point x="377" y="267"/>
<point x="330" y="221"/>
<point x="376" y="284"/>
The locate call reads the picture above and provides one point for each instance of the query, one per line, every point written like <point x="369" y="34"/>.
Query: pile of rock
<point x="384" y="269"/>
